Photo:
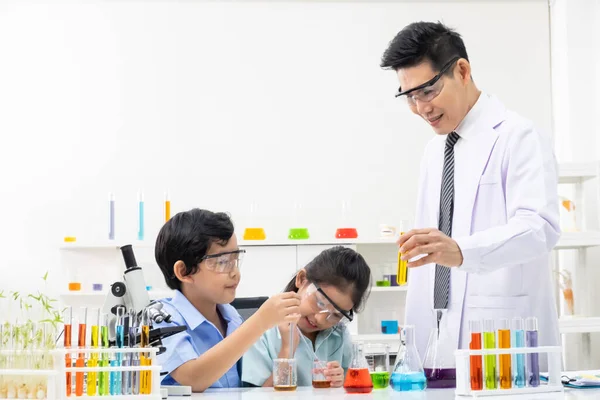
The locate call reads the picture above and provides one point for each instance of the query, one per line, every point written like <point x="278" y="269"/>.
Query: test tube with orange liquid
<point x="476" y="360"/>
<point x="505" y="359"/>
<point x="68" y="321"/>
<point x="80" y="363"/>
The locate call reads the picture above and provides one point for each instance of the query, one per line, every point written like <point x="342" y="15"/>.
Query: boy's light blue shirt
<point x="199" y="336"/>
<point x="331" y="345"/>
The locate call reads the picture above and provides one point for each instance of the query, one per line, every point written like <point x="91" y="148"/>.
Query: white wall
<point x="224" y="103"/>
<point x="576" y="97"/>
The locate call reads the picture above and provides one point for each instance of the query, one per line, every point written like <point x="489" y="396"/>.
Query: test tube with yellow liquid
<point x="145" y="360"/>
<point x="402" y="272"/>
<point x="167" y="207"/>
<point x="93" y="360"/>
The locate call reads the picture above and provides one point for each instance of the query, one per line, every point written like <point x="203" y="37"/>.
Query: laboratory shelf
<point x="114" y="245"/>
<point x="579" y="324"/>
<point x="98" y="297"/>
<point x="577" y="172"/>
<point x="389" y="288"/>
<point x="376" y="338"/>
<point x="578" y="240"/>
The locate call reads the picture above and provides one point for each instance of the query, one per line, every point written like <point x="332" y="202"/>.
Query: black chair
<point x="246" y="306"/>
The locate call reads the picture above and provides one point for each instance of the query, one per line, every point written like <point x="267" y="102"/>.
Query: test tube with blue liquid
<point x="127" y="375"/>
<point x="115" y="376"/>
<point x="140" y="216"/>
<point x="134" y="358"/>
<point x="518" y="340"/>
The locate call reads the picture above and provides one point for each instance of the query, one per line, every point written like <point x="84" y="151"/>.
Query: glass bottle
<point x="408" y="372"/>
<point x="439" y="365"/>
<point x="358" y="378"/>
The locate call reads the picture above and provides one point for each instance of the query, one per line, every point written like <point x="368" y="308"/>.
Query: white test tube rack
<point x="56" y="379"/>
<point x="463" y="374"/>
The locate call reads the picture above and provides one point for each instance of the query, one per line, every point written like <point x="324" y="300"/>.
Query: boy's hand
<point x="283" y="307"/>
<point x="284" y="330"/>
<point x="334" y="374"/>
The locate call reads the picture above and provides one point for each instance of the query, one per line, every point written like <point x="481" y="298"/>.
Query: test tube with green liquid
<point x="489" y="342"/>
<point x="103" y="380"/>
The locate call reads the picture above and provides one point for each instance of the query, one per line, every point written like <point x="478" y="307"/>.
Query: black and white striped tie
<point x="441" y="292"/>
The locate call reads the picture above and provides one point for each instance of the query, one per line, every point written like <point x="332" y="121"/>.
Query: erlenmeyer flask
<point x="408" y="372"/>
<point x="358" y="378"/>
<point x="254" y="231"/>
<point x="378" y="359"/>
<point x="439" y="364"/>
<point x="346" y="229"/>
<point x="297" y="231"/>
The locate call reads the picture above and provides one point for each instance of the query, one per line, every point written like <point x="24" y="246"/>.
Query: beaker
<point x="319" y="380"/>
<point x="378" y="359"/>
<point x="408" y="372"/>
<point x="297" y="232"/>
<point x="254" y="231"/>
<point x="358" y="378"/>
<point x="284" y="374"/>
<point x="439" y="365"/>
<point x="346" y="228"/>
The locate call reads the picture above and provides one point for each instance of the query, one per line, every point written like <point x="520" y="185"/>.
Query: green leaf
<point x="45" y="276"/>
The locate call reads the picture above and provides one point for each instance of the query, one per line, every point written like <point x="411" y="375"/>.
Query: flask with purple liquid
<point x="533" y="362"/>
<point x="440" y="365"/>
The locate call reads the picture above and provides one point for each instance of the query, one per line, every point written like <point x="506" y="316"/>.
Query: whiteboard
<point x="225" y="103"/>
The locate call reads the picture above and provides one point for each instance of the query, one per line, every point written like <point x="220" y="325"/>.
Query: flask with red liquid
<point x="358" y="377"/>
<point x="346" y="229"/>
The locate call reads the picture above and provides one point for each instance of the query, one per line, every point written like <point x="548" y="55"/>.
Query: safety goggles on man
<point x="428" y="90"/>
<point x="322" y="304"/>
<point x="223" y="263"/>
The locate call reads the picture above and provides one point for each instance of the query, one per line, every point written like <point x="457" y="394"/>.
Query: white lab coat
<point x="505" y="222"/>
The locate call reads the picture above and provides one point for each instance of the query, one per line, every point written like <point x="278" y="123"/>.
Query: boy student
<point x="199" y="257"/>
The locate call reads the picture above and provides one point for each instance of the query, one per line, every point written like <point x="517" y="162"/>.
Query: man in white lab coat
<point x="487" y="211"/>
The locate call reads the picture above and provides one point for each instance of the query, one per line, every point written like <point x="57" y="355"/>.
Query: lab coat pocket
<point x="496" y="307"/>
<point x="490" y="205"/>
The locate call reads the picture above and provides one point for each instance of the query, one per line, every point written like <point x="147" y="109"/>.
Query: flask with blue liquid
<point x="408" y="374"/>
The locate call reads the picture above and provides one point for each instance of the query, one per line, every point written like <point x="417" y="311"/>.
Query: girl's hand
<point x="334" y="374"/>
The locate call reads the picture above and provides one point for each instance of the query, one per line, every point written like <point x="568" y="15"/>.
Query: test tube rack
<point x="463" y="375"/>
<point x="56" y="378"/>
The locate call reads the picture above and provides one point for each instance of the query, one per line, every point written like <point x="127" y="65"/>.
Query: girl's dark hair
<point x="187" y="237"/>
<point x="342" y="268"/>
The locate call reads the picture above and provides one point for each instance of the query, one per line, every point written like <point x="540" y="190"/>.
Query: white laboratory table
<point x="305" y="393"/>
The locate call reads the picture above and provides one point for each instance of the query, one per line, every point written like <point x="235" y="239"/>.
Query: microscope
<point x="131" y="294"/>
